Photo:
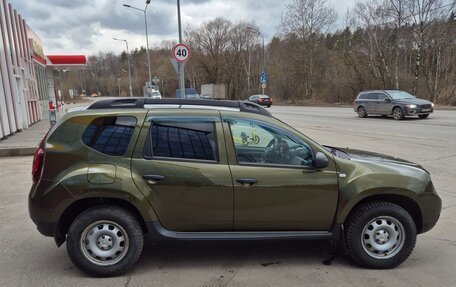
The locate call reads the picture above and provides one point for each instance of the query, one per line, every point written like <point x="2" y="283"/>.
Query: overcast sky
<point x="88" y="26"/>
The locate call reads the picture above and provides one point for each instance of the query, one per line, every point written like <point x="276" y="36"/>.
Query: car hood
<point x="378" y="158"/>
<point x="415" y="101"/>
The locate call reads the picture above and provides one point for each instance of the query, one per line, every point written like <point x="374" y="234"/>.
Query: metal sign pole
<point x="181" y="65"/>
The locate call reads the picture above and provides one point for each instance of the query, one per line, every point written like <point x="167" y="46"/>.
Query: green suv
<point x="106" y="177"/>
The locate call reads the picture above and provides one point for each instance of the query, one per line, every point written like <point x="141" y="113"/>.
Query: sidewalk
<point x="25" y="142"/>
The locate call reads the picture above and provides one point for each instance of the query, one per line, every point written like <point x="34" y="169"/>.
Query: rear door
<point x="180" y="164"/>
<point x="372" y="103"/>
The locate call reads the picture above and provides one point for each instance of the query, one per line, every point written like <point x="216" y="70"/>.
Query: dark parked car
<point x="399" y="104"/>
<point x="262" y="100"/>
<point x="177" y="169"/>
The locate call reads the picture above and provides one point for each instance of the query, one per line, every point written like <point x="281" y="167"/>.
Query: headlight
<point x="412" y="106"/>
<point x="432" y="105"/>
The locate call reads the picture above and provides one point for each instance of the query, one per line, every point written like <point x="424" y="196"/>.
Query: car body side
<point x="76" y="177"/>
<point x="380" y="107"/>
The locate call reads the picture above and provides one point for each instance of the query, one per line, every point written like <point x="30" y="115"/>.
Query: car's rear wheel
<point x="105" y="241"/>
<point x="398" y="114"/>
<point x="423" y="116"/>
<point x="380" y="235"/>
<point x="362" y="112"/>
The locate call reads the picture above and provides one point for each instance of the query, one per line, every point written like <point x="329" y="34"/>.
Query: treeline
<point x="386" y="44"/>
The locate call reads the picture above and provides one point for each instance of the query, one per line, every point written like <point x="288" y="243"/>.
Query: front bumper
<point x="418" y="111"/>
<point x="431" y="206"/>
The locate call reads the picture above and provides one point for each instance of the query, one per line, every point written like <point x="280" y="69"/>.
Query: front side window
<point x="109" y="135"/>
<point x="400" y="95"/>
<point x="259" y="143"/>
<point x="193" y="141"/>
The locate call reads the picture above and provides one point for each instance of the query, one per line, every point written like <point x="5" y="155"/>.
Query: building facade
<point x="26" y="81"/>
<point x="19" y="58"/>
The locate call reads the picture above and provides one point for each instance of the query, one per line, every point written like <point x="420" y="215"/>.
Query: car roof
<point x="138" y="103"/>
<point x="380" y="91"/>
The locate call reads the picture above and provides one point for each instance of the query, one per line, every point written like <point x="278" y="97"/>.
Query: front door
<point x="181" y="167"/>
<point x="276" y="187"/>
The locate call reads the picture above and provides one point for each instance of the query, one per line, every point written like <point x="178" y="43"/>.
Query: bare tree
<point x="308" y="19"/>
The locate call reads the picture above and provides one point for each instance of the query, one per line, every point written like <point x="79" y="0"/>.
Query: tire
<point x="370" y="228"/>
<point x="362" y="112"/>
<point x="114" y="229"/>
<point x="269" y="106"/>
<point x="425" y="116"/>
<point x="398" y="114"/>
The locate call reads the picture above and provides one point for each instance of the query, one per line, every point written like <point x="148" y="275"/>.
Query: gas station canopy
<point x="62" y="62"/>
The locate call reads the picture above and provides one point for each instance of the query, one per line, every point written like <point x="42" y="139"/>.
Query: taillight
<point x="270" y="100"/>
<point x="261" y="100"/>
<point x="37" y="167"/>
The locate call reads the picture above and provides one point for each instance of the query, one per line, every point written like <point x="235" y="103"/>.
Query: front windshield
<point x="399" y="95"/>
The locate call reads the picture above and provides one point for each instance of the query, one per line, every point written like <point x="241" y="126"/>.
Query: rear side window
<point x="193" y="141"/>
<point x="368" y="97"/>
<point x="109" y="135"/>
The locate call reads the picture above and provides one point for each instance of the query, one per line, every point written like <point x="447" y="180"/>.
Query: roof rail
<point x="139" y="103"/>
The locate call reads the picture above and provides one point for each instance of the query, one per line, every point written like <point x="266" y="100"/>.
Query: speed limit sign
<point x="181" y="53"/>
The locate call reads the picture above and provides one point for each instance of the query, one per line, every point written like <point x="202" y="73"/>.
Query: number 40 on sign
<point x="181" y="53"/>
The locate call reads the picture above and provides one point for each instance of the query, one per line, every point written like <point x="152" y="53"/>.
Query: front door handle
<point x="153" y="178"/>
<point x="247" y="182"/>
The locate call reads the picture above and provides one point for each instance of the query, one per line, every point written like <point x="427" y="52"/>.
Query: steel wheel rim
<point x="361" y="112"/>
<point x="383" y="237"/>
<point x="104" y="243"/>
<point x="397" y="114"/>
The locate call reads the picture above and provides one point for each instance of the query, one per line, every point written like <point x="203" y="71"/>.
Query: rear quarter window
<point x="110" y="135"/>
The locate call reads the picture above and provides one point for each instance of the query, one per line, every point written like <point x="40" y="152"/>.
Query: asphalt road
<point x="29" y="259"/>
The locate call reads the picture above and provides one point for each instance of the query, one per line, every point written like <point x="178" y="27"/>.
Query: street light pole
<point x="147" y="35"/>
<point x="181" y="66"/>
<point x="263" y="64"/>
<point x="129" y="69"/>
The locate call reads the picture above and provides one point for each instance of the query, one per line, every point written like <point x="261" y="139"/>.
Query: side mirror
<point x="321" y="161"/>
<point x="387" y="100"/>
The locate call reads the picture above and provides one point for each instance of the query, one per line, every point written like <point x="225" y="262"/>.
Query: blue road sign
<point x="263" y="78"/>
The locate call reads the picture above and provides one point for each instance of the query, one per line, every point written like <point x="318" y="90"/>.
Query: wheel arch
<point x="405" y="202"/>
<point x="361" y="106"/>
<point x="397" y="106"/>
<point x="77" y="207"/>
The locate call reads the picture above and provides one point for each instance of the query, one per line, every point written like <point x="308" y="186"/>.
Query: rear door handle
<point x="153" y="178"/>
<point x="247" y="182"/>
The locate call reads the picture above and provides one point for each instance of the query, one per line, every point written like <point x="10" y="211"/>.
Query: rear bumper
<point x="264" y="103"/>
<point x="46" y="228"/>
<point x="46" y="202"/>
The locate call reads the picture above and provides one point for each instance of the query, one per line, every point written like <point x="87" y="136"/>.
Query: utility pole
<point x="181" y="66"/>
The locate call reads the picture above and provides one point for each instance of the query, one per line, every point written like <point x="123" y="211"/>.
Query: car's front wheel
<point x="423" y="116"/>
<point x="105" y="241"/>
<point x="380" y="235"/>
<point x="398" y="114"/>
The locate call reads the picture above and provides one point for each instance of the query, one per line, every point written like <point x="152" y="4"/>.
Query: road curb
<point x="17" y="151"/>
